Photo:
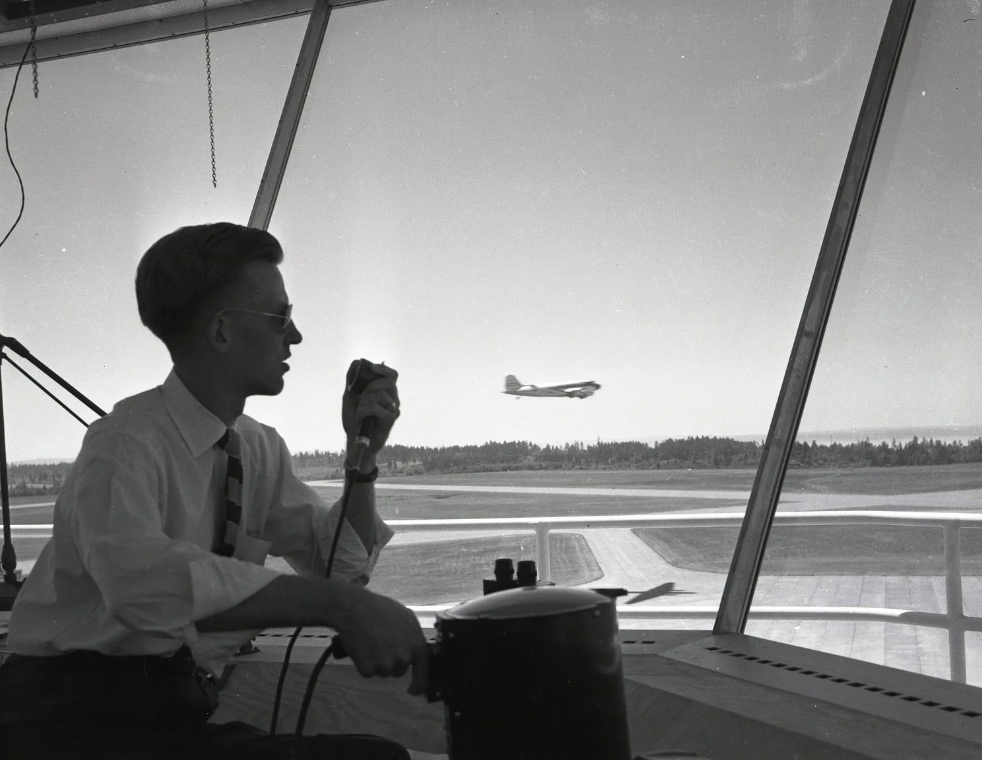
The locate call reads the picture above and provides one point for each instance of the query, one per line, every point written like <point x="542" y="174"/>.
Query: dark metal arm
<point x="8" y="556"/>
<point x="18" y="348"/>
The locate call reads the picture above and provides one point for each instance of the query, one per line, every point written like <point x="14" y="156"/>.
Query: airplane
<point x="570" y="390"/>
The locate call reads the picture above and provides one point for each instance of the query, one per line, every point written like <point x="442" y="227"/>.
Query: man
<point x="154" y="575"/>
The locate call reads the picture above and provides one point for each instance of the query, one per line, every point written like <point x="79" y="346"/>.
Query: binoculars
<point x="505" y="577"/>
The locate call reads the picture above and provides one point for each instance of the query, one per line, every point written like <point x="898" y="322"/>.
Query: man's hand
<point x="379" y="399"/>
<point x="383" y="638"/>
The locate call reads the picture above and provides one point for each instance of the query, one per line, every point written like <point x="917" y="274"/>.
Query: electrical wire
<point x="282" y="680"/>
<point x="298" y="735"/>
<point x="346" y="495"/>
<point x="6" y="140"/>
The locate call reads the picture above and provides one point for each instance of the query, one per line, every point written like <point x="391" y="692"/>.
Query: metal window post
<point x="745" y="567"/>
<point x="286" y="130"/>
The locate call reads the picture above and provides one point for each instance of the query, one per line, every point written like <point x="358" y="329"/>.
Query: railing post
<point x="955" y="611"/>
<point x="543" y="560"/>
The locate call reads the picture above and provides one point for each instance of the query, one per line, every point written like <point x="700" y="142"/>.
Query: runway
<point x="954" y="501"/>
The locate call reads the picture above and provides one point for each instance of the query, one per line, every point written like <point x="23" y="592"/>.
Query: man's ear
<point x="218" y="334"/>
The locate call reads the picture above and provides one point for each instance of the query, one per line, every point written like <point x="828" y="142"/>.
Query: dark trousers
<point x="87" y="705"/>
<point x="209" y="742"/>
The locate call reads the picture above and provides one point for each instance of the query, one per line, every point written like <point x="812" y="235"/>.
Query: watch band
<point x="358" y="476"/>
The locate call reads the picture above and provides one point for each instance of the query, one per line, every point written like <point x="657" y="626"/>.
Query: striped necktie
<point x="233" y="491"/>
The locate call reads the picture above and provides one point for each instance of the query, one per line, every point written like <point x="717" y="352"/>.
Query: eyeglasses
<point x="286" y="316"/>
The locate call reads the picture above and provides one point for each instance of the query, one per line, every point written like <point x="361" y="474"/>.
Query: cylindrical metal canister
<point x="532" y="673"/>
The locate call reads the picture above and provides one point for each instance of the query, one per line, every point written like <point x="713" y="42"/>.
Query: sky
<point x="633" y="193"/>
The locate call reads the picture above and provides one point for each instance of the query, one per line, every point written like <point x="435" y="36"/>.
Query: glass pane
<point x="971" y="559"/>
<point x="891" y="434"/>
<point x="114" y="153"/>
<point x="632" y="194"/>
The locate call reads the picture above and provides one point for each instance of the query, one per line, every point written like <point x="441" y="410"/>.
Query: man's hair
<point x="185" y="269"/>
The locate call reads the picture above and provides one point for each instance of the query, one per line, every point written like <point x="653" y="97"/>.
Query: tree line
<point x="702" y="452"/>
<point x="36" y="479"/>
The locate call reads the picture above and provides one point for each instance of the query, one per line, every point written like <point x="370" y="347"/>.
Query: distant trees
<point x="702" y="452"/>
<point x="36" y="479"/>
<point x="915" y="452"/>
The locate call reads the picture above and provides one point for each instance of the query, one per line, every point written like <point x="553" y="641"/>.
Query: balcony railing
<point x="953" y="620"/>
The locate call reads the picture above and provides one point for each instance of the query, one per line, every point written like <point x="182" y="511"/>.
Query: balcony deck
<point x="675" y="703"/>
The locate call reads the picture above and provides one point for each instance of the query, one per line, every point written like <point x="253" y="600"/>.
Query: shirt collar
<point x="200" y="428"/>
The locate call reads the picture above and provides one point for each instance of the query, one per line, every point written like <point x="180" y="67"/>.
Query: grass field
<point x="452" y="571"/>
<point x="40" y="499"/>
<point x="415" y="505"/>
<point x="820" y="550"/>
<point x="859" y="480"/>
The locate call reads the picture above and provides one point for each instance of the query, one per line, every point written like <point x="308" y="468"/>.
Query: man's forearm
<point x="288" y="601"/>
<point x="382" y="637"/>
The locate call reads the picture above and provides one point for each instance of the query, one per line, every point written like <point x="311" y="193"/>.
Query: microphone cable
<point x="333" y="648"/>
<point x="335" y="645"/>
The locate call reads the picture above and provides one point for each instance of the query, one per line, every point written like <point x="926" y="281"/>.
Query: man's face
<point x="259" y="344"/>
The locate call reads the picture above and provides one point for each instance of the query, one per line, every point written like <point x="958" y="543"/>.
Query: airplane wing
<point x="534" y="390"/>
<point x="589" y="385"/>
<point x="665" y="589"/>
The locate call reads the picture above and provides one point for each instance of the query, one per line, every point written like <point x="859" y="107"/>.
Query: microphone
<point x="360" y="374"/>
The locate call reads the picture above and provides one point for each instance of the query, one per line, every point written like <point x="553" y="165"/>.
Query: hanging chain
<point x="34" y="48"/>
<point x="211" y="114"/>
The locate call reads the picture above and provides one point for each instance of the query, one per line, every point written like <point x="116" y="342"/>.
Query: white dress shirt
<point x="130" y="565"/>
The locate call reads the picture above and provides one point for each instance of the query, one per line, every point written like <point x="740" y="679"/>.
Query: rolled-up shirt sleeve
<point x="301" y="527"/>
<point x="150" y="582"/>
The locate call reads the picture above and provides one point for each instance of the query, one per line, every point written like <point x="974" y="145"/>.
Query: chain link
<point x="211" y="113"/>
<point x="34" y="48"/>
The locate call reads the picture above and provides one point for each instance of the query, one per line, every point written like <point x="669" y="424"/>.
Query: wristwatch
<point x="358" y="476"/>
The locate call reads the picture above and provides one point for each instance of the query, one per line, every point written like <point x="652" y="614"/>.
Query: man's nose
<point x="294" y="335"/>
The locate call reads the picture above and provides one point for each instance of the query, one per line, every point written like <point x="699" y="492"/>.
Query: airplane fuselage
<point x="568" y="390"/>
